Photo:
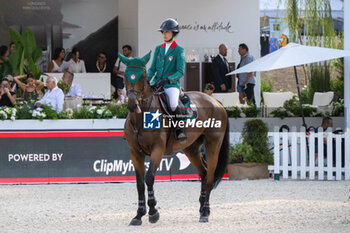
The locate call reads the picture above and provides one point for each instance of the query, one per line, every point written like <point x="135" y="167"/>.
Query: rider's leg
<point x="173" y="94"/>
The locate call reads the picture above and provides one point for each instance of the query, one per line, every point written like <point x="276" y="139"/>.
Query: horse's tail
<point x="223" y="156"/>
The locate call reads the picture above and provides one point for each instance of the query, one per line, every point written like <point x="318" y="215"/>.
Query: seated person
<point x="13" y="85"/>
<point x="76" y="65"/>
<point x="101" y="65"/>
<point x="122" y="98"/>
<point x="58" y="64"/>
<point x="209" y="89"/>
<point x="54" y="96"/>
<point x="32" y="90"/>
<point x="74" y="88"/>
<point x="7" y="97"/>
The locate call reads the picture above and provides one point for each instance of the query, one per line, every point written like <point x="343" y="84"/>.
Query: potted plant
<point x="249" y="160"/>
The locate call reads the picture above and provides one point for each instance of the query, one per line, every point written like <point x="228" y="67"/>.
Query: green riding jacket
<point x="170" y="65"/>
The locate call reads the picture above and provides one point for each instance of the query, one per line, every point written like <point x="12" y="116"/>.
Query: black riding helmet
<point x="170" y="25"/>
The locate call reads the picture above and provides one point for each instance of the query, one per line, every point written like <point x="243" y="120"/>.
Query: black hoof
<point x="135" y="222"/>
<point x="203" y="219"/>
<point x="154" y="218"/>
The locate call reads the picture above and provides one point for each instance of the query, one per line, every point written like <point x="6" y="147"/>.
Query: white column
<point x="347" y="86"/>
<point x="347" y="63"/>
<point x="257" y="89"/>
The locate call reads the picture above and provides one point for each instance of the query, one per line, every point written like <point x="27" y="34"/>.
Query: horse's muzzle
<point x="133" y="104"/>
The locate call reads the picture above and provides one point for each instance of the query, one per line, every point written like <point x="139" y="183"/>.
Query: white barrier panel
<point x="305" y="155"/>
<point x="94" y="85"/>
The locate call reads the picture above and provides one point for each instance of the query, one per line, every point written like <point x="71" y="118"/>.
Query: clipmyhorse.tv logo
<point x="151" y="120"/>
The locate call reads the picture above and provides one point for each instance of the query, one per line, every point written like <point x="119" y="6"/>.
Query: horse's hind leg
<point x="212" y="149"/>
<point x="139" y="164"/>
<point x="156" y="157"/>
<point x="193" y="153"/>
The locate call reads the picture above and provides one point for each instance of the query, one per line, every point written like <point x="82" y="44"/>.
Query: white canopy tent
<point x="292" y="55"/>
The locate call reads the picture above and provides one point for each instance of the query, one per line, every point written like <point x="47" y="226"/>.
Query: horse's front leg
<point x="139" y="163"/>
<point x="156" y="157"/>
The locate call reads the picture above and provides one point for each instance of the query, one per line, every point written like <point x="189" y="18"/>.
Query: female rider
<point x="168" y="66"/>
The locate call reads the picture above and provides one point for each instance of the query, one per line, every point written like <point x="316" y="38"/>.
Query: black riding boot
<point x="179" y="132"/>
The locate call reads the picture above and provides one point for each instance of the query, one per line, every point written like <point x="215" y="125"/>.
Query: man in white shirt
<point x="54" y="96"/>
<point x="76" y="65"/>
<point x="119" y="68"/>
<point x="74" y="88"/>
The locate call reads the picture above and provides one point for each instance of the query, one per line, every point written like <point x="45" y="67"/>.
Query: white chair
<point x="323" y="99"/>
<point x="273" y="100"/>
<point x="227" y="99"/>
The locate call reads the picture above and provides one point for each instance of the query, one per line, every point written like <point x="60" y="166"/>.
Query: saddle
<point x="187" y="108"/>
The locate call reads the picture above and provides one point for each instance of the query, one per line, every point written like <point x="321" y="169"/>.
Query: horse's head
<point x="136" y="79"/>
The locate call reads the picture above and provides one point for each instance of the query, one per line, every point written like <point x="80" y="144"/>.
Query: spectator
<point x="246" y="81"/>
<point x="220" y="68"/>
<point x="32" y="90"/>
<point x="122" y="97"/>
<point x="4" y="52"/>
<point x="119" y="71"/>
<point x="101" y="64"/>
<point x="74" y="88"/>
<point x="13" y="85"/>
<point x="58" y="64"/>
<point x="76" y="65"/>
<point x="209" y="89"/>
<point x="7" y="97"/>
<point x="53" y="97"/>
<point x="5" y="66"/>
<point x="11" y="47"/>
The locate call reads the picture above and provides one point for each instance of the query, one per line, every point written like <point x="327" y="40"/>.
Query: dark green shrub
<point x="266" y="86"/>
<point x="320" y="79"/>
<point x="241" y="152"/>
<point x="118" y="110"/>
<point x="306" y="95"/>
<point x="293" y="106"/>
<point x="255" y="134"/>
<point x="338" y="108"/>
<point x="251" y="111"/>
<point x="83" y="113"/>
<point x="233" y="111"/>
<point x="280" y="112"/>
<point x="337" y="85"/>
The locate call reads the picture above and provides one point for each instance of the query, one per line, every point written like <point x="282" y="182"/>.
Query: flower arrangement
<point x="38" y="114"/>
<point x="27" y="111"/>
<point x="8" y="113"/>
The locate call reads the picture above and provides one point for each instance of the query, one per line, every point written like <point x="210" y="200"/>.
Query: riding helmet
<point x="169" y="25"/>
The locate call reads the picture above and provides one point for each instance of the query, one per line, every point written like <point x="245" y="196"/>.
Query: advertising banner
<point x="71" y="156"/>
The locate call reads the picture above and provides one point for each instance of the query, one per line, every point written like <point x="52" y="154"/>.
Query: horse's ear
<point x="146" y="58"/>
<point x="124" y="59"/>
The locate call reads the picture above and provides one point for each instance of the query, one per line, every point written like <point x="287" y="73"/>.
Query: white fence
<point x="301" y="155"/>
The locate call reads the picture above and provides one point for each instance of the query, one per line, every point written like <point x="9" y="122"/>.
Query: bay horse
<point x="153" y="142"/>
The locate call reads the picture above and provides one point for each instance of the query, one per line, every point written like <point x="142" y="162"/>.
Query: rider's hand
<point x="162" y="82"/>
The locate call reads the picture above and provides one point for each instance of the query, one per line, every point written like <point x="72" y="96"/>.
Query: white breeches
<point x="173" y="94"/>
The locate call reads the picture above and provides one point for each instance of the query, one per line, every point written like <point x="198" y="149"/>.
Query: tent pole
<point x="300" y="100"/>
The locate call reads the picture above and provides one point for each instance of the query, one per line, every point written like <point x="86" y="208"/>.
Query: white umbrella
<point x="292" y="55"/>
